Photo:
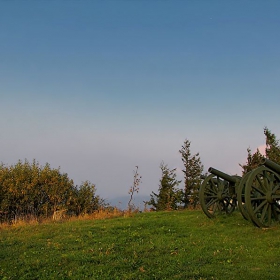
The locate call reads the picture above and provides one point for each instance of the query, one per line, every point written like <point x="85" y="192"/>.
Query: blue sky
<point x="98" y="87"/>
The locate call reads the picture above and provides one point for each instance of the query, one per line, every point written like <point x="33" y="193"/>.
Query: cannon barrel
<point x="223" y="175"/>
<point x="271" y="164"/>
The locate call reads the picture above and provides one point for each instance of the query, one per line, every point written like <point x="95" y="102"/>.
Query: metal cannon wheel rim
<point x="215" y="198"/>
<point x="241" y="196"/>
<point x="262" y="197"/>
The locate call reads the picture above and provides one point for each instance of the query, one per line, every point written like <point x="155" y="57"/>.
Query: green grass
<point x="166" y="245"/>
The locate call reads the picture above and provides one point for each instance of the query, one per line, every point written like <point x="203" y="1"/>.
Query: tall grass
<point x="100" y="214"/>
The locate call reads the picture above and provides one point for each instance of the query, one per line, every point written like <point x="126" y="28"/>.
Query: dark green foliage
<point x="272" y="152"/>
<point x="85" y="200"/>
<point x="193" y="169"/>
<point x="28" y="190"/>
<point x="272" y="146"/>
<point x="253" y="161"/>
<point x="169" y="196"/>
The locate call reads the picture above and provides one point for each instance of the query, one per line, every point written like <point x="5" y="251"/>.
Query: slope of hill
<point x="166" y="245"/>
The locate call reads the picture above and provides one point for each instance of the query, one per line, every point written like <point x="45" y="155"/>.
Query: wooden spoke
<point x="211" y="202"/>
<point x="265" y="180"/>
<point x="269" y="215"/>
<point x="264" y="212"/>
<point x="275" y="214"/>
<point x="210" y="191"/>
<point x="259" y="180"/>
<point x="256" y="210"/>
<point x="276" y="188"/>
<point x="258" y="190"/>
<point x="258" y="198"/>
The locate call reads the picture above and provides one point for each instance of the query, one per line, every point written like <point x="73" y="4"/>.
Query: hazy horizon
<point x="98" y="87"/>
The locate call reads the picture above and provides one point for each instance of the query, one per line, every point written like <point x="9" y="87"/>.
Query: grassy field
<point x="166" y="245"/>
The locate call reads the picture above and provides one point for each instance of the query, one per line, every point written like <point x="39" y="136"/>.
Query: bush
<point x="30" y="190"/>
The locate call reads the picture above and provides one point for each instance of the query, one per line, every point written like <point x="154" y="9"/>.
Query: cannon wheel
<point x="262" y="197"/>
<point x="215" y="198"/>
<point x="241" y="196"/>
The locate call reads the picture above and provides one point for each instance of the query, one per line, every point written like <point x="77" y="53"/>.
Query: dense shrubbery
<point x="28" y="190"/>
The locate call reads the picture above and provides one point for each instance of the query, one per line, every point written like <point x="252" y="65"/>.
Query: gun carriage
<point x="218" y="193"/>
<point x="262" y="194"/>
<point x="257" y="194"/>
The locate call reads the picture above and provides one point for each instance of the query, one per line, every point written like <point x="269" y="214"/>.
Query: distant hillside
<point x="122" y="201"/>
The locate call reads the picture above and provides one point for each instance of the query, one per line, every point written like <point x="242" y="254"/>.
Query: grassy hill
<point x="166" y="245"/>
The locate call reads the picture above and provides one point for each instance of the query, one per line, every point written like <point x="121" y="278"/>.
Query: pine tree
<point x="272" y="152"/>
<point x="253" y="161"/>
<point x="169" y="196"/>
<point x="193" y="169"/>
<point x="272" y="149"/>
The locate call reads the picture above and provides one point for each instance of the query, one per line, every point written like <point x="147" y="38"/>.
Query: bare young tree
<point x="134" y="188"/>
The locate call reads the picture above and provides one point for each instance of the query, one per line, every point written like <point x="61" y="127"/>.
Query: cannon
<point x="218" y="193"/>
<point x="262" y="194"/>
<point x="256" y="194"/>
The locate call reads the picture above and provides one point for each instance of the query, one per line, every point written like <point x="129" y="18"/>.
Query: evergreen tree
<point x="253" y="161"/>
<point x="193" y="169"/>
<point x="272" y="152"/>
<point x="272" y="149"/>
<point x="169" y="196"/>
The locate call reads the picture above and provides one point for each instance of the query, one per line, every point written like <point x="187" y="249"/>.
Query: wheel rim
<point x="262" y="197"/>
<point x="215" y="198"/>
<point x="241" y="196"/>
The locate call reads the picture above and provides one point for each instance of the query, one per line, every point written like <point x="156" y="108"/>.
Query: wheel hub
<point x="220" y="195"/>
<point x="269" y="197"/>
